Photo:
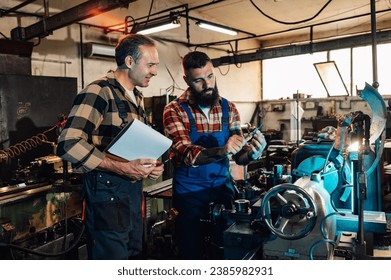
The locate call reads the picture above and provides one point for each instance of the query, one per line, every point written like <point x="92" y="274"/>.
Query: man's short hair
<point x="130" y="45"/>
<point x="195" y="59"/>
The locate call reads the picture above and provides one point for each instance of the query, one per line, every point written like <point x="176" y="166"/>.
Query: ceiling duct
<point x="99" y="50"/>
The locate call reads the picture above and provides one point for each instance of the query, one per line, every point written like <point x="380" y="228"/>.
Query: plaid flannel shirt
<point x="177" y="126"/>
<point x="94" y="121"/>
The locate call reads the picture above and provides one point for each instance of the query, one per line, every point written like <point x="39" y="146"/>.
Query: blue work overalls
<point x="194" y="188"/>
<point x="113" y="210"/>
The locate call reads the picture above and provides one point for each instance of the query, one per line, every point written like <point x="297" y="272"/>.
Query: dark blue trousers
<point x="113" y="216"/>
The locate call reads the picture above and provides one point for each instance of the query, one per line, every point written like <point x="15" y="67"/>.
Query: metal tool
<point x="251" y="134"/>
<point x="249" y="137"/>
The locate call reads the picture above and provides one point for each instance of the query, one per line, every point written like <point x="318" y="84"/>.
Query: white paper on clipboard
<point x="138" y="140"/>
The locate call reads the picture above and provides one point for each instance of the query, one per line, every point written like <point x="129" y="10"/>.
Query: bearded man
<point x="206" y="133"/>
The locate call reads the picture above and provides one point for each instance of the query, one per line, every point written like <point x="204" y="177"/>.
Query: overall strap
<point x="192" y="121"/>
<point x="123" y="114"/>
<point x="225" y="118"/>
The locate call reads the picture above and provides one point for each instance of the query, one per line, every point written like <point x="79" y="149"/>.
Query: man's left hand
<point x="258" y="144"/>
<point x="156" y="172"/>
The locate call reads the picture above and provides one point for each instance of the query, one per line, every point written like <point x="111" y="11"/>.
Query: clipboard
<point x="138" y="140"/>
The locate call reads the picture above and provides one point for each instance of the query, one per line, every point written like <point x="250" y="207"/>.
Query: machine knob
<point x="288" y="210"/>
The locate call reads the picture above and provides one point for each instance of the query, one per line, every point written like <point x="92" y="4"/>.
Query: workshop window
<point x="285" y="76"/>
<point x="362" y="67"/>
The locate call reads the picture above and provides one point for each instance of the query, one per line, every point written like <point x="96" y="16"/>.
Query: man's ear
<point x="186" y="80"/>
<point x="129" y="62"/>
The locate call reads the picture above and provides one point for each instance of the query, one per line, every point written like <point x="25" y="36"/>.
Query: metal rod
<point x="187" y="26"/>
<point x="17" y="7"/>
<point x="351" y="72"/>
<point x="375" y="83"/>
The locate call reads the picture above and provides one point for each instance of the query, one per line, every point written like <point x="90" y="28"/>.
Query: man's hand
<point x="234" y="144"/>
<point x="156" y="172"/>
<point x="135" y="169"/>
<point x="258" y="144"/>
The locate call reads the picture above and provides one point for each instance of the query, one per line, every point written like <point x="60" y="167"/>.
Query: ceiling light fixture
<point x="217" y="28"/>
<point x="161" y="26"/>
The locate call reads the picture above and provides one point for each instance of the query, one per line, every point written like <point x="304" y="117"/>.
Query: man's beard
<point x="206" y="99"/>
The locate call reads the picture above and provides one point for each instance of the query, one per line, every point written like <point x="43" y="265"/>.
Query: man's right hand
<point x="234" y="144"/>
<point x="135" y="169"/>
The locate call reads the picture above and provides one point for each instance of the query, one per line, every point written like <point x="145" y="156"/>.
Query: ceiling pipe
<point x="289" y="50"/>
<point x="80" y="12"/>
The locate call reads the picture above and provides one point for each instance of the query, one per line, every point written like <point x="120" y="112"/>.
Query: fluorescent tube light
<point x="162" y="27"/>
<point x="220" y="29"/>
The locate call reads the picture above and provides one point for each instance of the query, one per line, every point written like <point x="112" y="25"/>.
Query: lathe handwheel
<point x="295" y="209"/>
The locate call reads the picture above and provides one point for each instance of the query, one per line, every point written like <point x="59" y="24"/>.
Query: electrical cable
<point x="322" y="230"/>
<point x="37" y="43"/>
<point x="28" y="144"/>
<point x="226" y="73"/>
<point x="43" y="254"/>
<point x="342" y="175"/>
<point x="311" y="253"/>
<point x="22" y="147"/>
<point x="149" y="14"/>
<point x="293" y="22"/>
<point x="237" y="64"/>
<point x="234" y="56"/>
<point x="327" y="158"/>
<point x="174" y="83"/>
<point x="126" y="24"/>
